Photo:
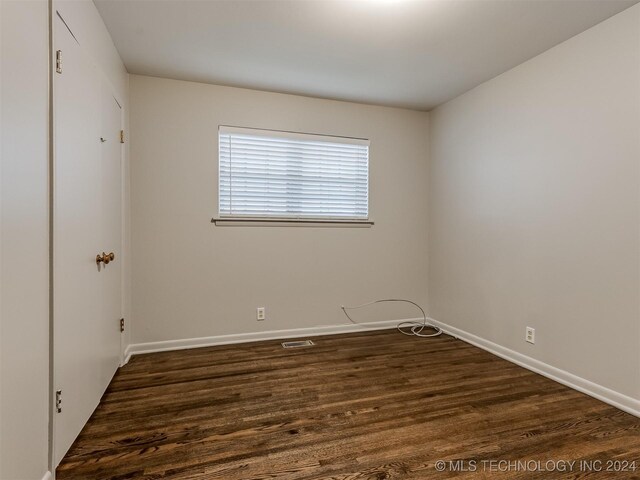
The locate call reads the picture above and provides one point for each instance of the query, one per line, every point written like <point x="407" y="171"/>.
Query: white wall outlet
<point x="530" y="335"/>
<point x="260" y="314"/>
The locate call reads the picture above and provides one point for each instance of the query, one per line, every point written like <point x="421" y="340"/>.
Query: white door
<point x="111" y="225"/>
<point x="86" y="337"/>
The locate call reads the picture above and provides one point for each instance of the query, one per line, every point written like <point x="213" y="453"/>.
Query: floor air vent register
<point x="298" y="344"/>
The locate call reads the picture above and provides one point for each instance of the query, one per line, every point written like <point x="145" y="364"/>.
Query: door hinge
<point x="59" y="401"/>
<point x="121" y="136"/>
<point x="59" y="61"/>
<point x="122" y="325"/>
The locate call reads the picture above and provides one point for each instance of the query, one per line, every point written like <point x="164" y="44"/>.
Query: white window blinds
<point x="265" y="173"/>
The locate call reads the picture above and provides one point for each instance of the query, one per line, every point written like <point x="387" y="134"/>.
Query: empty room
<point x="319" y="239"/>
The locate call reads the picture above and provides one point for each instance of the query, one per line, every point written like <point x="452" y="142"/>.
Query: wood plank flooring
<point x="374" y="405"/>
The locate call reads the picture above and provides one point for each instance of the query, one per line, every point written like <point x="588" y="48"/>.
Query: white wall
<point x="24" y="259"/>
<point x="193" y="279"/>
<point x="534" y="207"/>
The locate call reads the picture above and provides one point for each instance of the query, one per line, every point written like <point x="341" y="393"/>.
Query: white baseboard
<point x="47" y="476"/>
<point x="604" y="394"/>
<point x="151" y="347"/>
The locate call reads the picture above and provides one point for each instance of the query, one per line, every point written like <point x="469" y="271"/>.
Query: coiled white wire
<point x="415" y="328"/>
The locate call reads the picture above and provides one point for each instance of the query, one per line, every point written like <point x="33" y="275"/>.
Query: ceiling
<point x="407" y="53"/>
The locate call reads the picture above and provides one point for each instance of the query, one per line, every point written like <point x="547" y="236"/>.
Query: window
<point x="292" y="176"/>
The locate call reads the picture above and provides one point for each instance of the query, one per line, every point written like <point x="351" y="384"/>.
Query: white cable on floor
<point x="415" y="328"/>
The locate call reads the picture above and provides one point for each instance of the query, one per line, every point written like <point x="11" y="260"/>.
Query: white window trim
<point x="289" y="222"/>
<point x="224" y="219"/>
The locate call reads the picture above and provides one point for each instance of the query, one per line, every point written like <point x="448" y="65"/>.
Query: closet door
<point x="111" y="226"/>
<point x="86" y="333"/>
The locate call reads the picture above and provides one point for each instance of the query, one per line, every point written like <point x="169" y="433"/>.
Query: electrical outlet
<point x="530" y="335"/>
<point x="260" y="314"/>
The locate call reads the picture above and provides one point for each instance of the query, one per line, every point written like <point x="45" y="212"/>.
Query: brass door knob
<point x="105" y="258"/>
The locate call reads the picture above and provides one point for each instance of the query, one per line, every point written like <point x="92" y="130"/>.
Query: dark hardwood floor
<point x="375" y="405"/>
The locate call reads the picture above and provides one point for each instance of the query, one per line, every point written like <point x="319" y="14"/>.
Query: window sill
<point x="280" y="222"/>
